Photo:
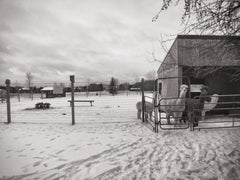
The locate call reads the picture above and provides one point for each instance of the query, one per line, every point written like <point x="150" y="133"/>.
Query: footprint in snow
<point x="36" y="163"/>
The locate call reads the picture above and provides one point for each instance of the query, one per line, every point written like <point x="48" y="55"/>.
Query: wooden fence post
<point x="18" y="95"/>
<point x="143" y="101"/>
<point x="72" y="79"/>
<point x="8" y="101"/>
<point x="32" y="93"/>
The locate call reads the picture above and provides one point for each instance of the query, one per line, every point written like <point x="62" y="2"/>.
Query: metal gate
<point x="151" y="115"/>
<point x="178" y="117"/>
<point x="172" y="114"/>
<point x="225" y="113"/>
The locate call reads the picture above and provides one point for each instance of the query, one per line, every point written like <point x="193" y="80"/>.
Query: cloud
<point x="91" y="39"/>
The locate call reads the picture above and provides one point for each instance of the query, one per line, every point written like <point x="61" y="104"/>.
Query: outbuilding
<point x="48" y="91"/>
<point x="55" y="91"/>
<point x="199" y="60"/>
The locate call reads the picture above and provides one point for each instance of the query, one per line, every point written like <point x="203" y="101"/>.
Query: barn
<point x="48" y="91"/>
<point x="199" y="60"/>
<point x="55" y="91"/>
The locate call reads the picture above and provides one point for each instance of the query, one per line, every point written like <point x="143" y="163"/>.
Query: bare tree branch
<point x="151" y="75"/>
<point x="204" y="16"/>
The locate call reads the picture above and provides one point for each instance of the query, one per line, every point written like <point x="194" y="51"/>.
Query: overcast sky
<point x="92" y="39"/>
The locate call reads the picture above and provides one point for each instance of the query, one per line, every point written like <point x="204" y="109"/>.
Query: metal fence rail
<point x="225" y="114"/>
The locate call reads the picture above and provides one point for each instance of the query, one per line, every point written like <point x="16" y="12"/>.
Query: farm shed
<point x="55" y="91"/>
<point x="201" y="59"/>
<point x="48" y="91"/>
<point x="25" y="90"/>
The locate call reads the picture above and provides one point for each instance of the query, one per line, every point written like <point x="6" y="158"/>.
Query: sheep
<point x="148" y="106"/>
<point x="174" y="107"/>
<point x="209" y="105"/>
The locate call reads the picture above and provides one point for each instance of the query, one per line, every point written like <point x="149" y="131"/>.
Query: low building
<point x="201" y="59"/>
<point x="25" y="90"/>
<point x="52" y="92"/>
<point x="48" y="91"/>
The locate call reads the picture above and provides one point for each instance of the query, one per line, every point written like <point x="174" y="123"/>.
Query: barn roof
<point x="47" y="89"/>
<point x="207" y="37"/>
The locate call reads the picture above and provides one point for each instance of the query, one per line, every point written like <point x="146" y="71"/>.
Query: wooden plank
<point x="81" y="101"/>
<point x="90" y="101"/>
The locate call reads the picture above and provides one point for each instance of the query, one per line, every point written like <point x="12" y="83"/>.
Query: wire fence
<point x="103" y="103"/>
<point x="106" y="107"/>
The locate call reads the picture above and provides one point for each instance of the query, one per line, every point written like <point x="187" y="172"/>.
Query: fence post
<point x="32" y="93"/>
<point x="18" y="95"/>
<point x="143" y="101"/>
<point x="155" y="101"/>
<point x="234" y="106"/>
<point x="8" y="101"/>
<point x="72" y="98"/>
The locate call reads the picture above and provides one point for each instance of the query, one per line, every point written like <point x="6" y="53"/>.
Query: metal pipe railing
<point x="225" y="105"/>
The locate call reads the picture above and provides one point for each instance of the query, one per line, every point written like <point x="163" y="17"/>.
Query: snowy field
<point x="108" y="142"/>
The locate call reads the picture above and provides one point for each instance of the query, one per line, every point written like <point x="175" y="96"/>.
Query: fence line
<point x="106" y="107"/>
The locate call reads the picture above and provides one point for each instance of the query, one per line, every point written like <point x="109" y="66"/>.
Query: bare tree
<point x="204" y="16"/>
<point x="163" y="46"/>
<point x="151" y="75"/>
<point x="113" y="86"/>
<point x="29" y="79"/>
<point x="136" y="78"/>
<point x="88" y="84"/>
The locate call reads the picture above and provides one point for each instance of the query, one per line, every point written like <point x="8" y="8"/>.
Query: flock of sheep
<point x="175" y="107"/>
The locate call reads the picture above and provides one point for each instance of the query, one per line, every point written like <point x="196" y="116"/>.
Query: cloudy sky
<point x="93" y="39"/>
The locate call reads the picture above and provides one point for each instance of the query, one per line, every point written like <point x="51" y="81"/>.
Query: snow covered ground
<point x="108" y="142"/>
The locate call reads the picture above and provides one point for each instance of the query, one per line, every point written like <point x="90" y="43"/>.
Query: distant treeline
<point x="148" y="86"/>
<point x="16" y="89"/>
